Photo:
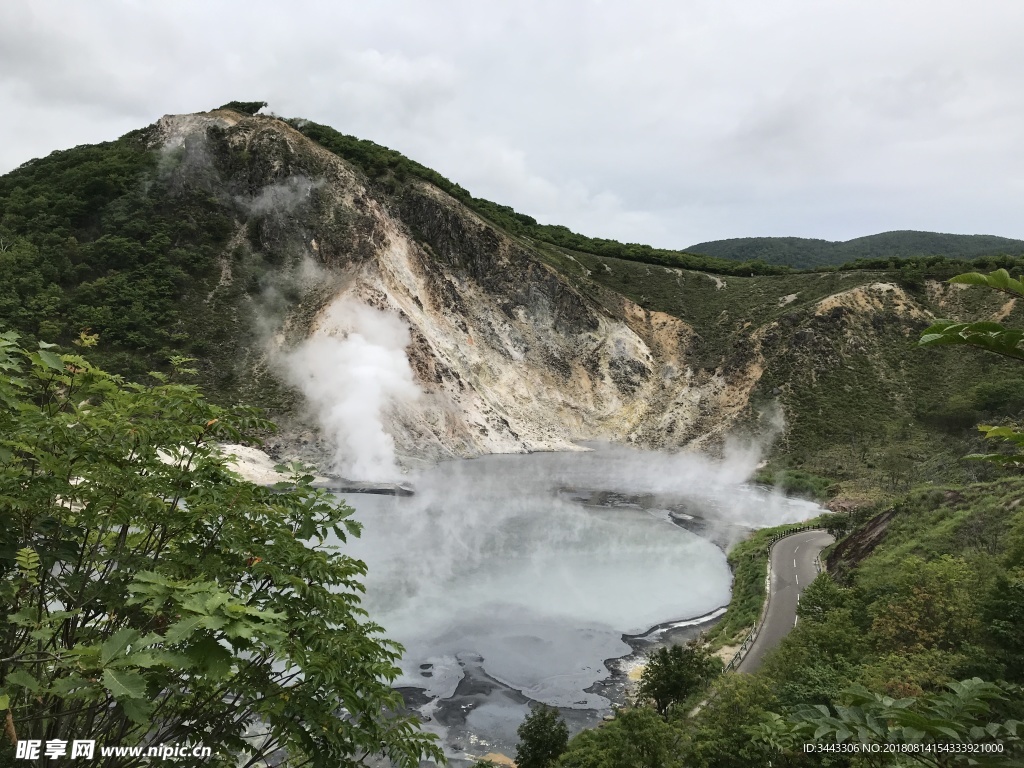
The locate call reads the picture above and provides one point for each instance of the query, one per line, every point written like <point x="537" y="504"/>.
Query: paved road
<point x="792" y="570"/>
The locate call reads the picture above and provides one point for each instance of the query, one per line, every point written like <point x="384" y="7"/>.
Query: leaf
<point x="138" y="711"/>
<point x="124" y="684"/>
<point x="51" y="359"/>
<point x="22" y="678"/>
<point x="999" y="279"/>
<point x="5" y="701"/>
<point x="211" y="658"/>
<point x="183" y="629"/>
<point x="117" y="644"/>
<point x="985" y="335"/>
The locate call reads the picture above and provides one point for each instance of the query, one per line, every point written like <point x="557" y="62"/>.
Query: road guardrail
<point x="748" y="641"/>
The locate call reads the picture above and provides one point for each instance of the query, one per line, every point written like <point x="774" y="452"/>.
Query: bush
<point x="244" y="107"/>
<point x="149" y="595"/>
<point x="543" y="736"/>
<point x="672" y="675"/>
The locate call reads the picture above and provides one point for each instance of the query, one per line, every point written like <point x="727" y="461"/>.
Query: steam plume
<point x="353" y="371"/>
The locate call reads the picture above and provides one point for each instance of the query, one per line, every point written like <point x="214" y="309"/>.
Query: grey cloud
<point x="660" y="122"/>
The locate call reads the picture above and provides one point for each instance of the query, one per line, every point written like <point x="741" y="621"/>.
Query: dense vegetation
<point x="104" y="238"/>
<point x="807" y="253"/>
<point x="150" y="596"/>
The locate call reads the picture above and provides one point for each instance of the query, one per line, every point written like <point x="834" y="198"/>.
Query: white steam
<point x="282" y="197"/>
<point x="354" y="371"/>
<point x="533" y="566"/>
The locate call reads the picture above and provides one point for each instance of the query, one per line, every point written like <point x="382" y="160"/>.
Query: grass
<point x="796" y="482"/>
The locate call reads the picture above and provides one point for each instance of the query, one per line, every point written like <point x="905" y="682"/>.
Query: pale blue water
<point x="493" y="561"/>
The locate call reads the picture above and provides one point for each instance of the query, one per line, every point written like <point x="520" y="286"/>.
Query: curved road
<point x="792" y="570"/>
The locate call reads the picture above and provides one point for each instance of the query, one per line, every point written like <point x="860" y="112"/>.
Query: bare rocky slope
<point x="509" y="354"/>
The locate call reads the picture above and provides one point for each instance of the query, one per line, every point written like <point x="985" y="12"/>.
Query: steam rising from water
<point x="528" y="569"/>
<point x="353" y="369"/>
<point x="505" y="562"/>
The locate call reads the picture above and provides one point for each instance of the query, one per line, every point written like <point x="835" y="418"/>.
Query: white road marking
<point x="797" y="582"/>
<point x="794" y="562"/>
<point x="795" y="619"/>
<point x="796" y="550"/>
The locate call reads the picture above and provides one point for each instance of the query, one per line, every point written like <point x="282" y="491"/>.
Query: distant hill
<point x="807" y="253"/>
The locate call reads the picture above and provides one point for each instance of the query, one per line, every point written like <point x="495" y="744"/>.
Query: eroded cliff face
<point x="508" y="354"/>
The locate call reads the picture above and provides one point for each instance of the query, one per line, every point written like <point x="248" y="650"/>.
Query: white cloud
<point x="662" y="122"/>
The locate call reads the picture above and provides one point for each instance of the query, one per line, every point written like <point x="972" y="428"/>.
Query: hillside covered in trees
<point x="808" y="253"/>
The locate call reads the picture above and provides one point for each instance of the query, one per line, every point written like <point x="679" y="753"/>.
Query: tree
<point x="245" y="107"/>
<point x="821" y="597"/>
<point x="543" y="736"/>
<point x="636" y="738"/>
<point x="958" y="716"/>
<point x="1003" y="612"/>
<point x="927" y="604"/>
<point x="717" y="736"/>
<point x="673" y="674"/>
<point x="148" y="595"/>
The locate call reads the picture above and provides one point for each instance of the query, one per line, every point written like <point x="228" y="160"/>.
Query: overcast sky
<point x="667" y="123"/>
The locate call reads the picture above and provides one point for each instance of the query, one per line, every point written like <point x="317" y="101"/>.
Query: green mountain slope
<point x="807" y="253"/>
<point x="170" y="250"/>
<point x="836" y="352"/>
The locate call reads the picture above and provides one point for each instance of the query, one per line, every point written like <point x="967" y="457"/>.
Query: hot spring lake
<point x="515" y="578"/>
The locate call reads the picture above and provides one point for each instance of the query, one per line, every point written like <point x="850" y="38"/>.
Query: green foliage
<point x="244" y="107"/>
<point x="1003" y="617"/>
<point x="149" y="595"/>
<point x="543" y="736"/>
<point x="1001" y="397"/>
<point x="636" y="738"/>
<point x="925" y="604"/>
<point x="716" y="736"/>
<point x="991" y="337"/>
<point x="797" y="482"/>
<point x="959" y="716"/>
<point x="672" y="676"/>
<point x="107" y="238"/>
<point x="820" y="598"/>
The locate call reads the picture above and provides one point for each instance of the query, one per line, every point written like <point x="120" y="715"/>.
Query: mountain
<point x="261" y="247"/>
<point x="231" y="238"/>
<point x="807" y="253"/>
